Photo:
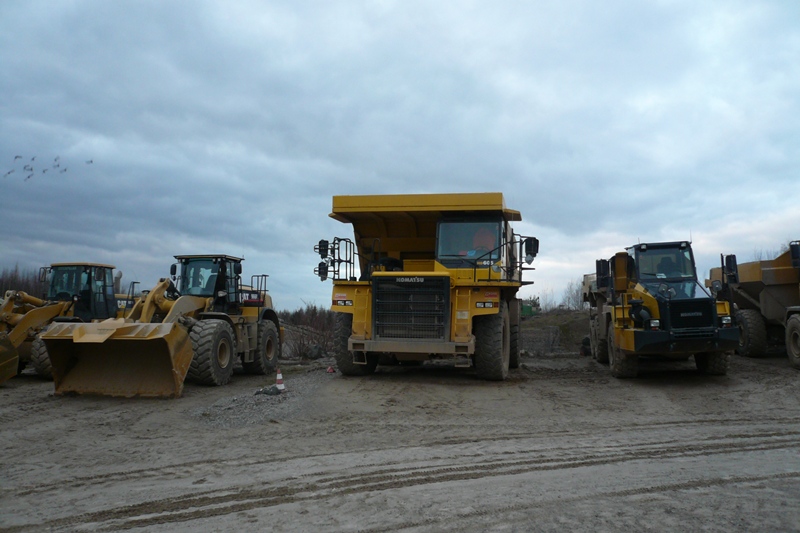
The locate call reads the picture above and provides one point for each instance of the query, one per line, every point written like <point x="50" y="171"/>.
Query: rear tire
<point x="492" y="345"/>
<point x="793" y="340"/>
<point x="41" y="359"/>
<point x="621" y="365"/>
<point x="514" y="357"/>
<point x="713" y="364"/>
<point x="267" y="350"/>
<point x="344" y="359"/>
<point x="752" y="333"/>
<point x="212" y="364"/>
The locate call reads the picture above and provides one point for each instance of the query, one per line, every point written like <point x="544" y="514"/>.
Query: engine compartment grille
<point x="413" y="307"/>
<point x="691" y="314"/>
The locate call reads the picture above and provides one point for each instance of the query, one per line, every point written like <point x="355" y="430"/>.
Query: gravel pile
<point x="259" y="407"/>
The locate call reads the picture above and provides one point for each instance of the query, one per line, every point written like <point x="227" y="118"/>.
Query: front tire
<point x="621" y="365"/>
<point x="41" y="359"/>
<point x="344" y="359"/>
<point x="713" y="364"/>
<point x="492" y="345"/>
<point x="793" y="340"/>
<point x="752" y="333"/>
<point x="599" y="347"/>
<point x="212" y="342"/>
<point x="267" y="350"/>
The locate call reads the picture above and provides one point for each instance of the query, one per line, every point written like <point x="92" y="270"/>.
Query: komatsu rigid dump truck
<point x="766" y="295"/>
<point x="647" y="301"/>
<point x="427" y="276"/>
<point x="192" y="325"/>
<point x="77" y="292"/>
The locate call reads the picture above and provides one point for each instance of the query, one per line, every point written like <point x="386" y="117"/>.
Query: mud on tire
<point x="492" y="345"/>
<point x="268" y="350"/>
<point x="752" y="333"/>
<point x="793" y="340"/>
<point x="40" y="359"/>
<point x="620" y="364"/>
<point x="344" y="359"/>
<point x="212" y="342"/>
<point x="513" y="356"/>
<point x="713" y="364"/>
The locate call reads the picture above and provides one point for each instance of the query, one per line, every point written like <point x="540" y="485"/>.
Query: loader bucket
<point x="9" y="359"/>
<point x="118" y="358"/>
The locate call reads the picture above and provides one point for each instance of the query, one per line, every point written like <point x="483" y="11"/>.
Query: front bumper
<point x="684" y="341"/>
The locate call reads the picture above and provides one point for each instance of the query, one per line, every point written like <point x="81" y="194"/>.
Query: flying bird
<point x="89" y="162"/>
<point x="44" y="170"/>
<point x="17" y="157"/>
<point x="9" y="172"/>
<point x="63" y="170"/>
<point x="33" y="158"/>
<point x="56" y="166"/>
<point x="29" y="177"/>
<point x="57" y="158"/>
<point x="27" y="167"/>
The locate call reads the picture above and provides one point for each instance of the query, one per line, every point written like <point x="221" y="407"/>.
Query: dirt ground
<point x="559" y="446"/>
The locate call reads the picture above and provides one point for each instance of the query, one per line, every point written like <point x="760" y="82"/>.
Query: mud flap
<point x="9" y="359"/>
<point x="118" y="358"/>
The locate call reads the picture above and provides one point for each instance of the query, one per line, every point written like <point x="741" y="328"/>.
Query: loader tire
<point x="599" y="347"/>
<point x="41" y="359"/>
<point x="712" y="363"/>
<point x="621" y="365"/>
<point x="212" y="364"/>
<point x="492" y="345"/>
<point x="267" y="350"/>
<point x="793" y="340"/>
<point x="513" y="357"/>
<point x="344" y="359"/>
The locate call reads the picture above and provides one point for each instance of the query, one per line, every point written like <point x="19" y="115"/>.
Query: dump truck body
<point x="428" y="276"/>
<point x="77" y="292"/>
<point x="766" y="295"/>
<point x="192" y="325"/>
<point x="647" y="301"/>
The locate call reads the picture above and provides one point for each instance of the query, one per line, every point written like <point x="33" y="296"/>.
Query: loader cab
<point x="90" y="286"/>
<point x="211" y="276"/>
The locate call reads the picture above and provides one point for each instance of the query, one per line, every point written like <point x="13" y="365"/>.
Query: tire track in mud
<point x="329" y="483"/>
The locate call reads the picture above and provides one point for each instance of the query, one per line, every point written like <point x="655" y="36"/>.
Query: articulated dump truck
<point x="647" y="301"/>
<point x="426" y="276"/>
<point x="190" y="326"/>
<point x="77" y="292"/>
<point x="766" y="295"/>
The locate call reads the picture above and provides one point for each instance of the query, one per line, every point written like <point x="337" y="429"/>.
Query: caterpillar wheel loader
<point x="647" y="301"/>
<point x="766" y="295"/>
<point x="428" y="277"/>
<point x="189" y="326"/>
<point x="77" y="292"/>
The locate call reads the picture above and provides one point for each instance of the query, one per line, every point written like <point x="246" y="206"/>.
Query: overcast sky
<point x="172" y="127"/>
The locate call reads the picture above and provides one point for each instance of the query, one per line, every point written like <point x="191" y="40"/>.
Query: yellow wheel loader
<point x="191" y="325"/>
<point x="77" y="292"/>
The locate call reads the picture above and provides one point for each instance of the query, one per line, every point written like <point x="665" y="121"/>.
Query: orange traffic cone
<point x="279" y="381"/>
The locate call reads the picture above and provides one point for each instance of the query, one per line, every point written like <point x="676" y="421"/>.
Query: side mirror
<point x="173" y="269"/>
<point x="237" y="268"/>
<point x="322" y="271"/>
<point x="716" y="286"/>
<point x="531" y="249"/>
<point x="322" y="249"/>
<point x="731" y="269"/>
<point x="43" y="271"/>
<point x="602" y="270"/>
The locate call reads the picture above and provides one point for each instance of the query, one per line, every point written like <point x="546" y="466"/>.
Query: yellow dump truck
<point x="766" y="295"/>
<point x="192" y="325"/>
<point x="77" y="292"/>
<point x="426" y="276"/>
<point x="647" y="301"/>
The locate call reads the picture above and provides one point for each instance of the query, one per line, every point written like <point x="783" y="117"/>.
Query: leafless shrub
<point x="20" y="280"/>
<point x="309" y="332"/>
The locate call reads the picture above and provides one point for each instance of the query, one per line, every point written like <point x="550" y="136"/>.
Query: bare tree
<point x="572" y="297"/>
<point x="547" y="300"/>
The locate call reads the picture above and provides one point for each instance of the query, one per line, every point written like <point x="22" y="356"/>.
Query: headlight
<point x="655" y="324"/>
<point x="726" y="321"/>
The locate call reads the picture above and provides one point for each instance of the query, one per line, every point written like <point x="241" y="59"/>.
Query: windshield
<point x="665" y="263"/>
<point x="469" y="240"/>
<point x="198" y="277"/>
<point x="676" y="290"/>
<point x="66" y="281"/>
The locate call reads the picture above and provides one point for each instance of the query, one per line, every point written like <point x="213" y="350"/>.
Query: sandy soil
<point x="560" y="446"/>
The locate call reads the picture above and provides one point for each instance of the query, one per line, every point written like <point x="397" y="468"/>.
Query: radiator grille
<point x="691" y="314"/>
<point x="411" y="307"/>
